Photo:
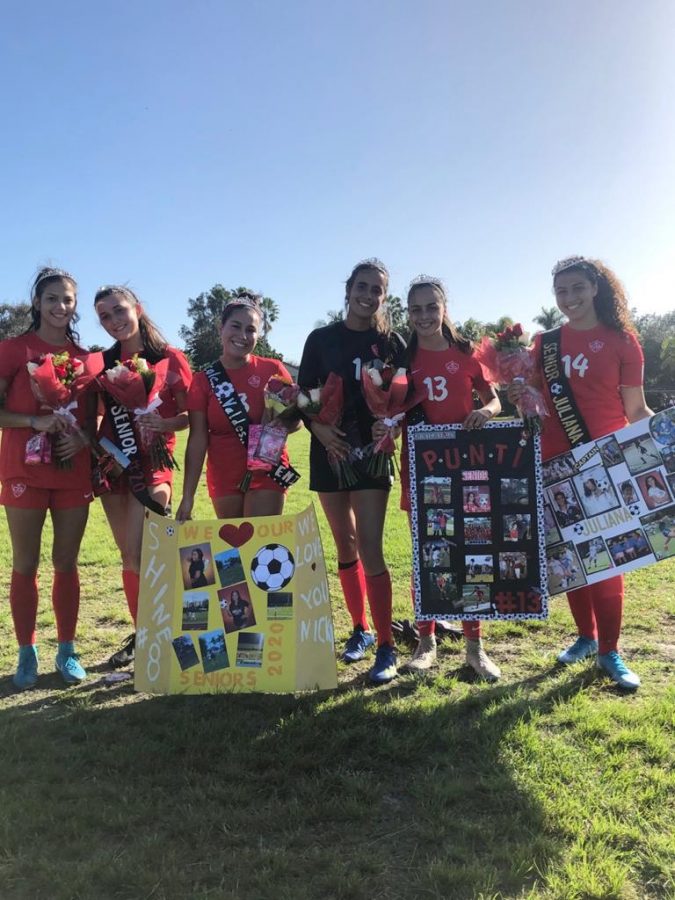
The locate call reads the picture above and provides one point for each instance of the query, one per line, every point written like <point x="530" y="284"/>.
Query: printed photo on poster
<point x="594" y="556"/>
<point x="515" y="491"/>
<point x="640" y="454"/>
<point x="184" y="649"/>
<point x="653" y="489"/>
<point x="628" y="495"/>
<point x="280" y="605"/>
<point x="564" y="504"/>
<point x="478" y="568"/>
<point x="610" y="451"/>
<point x="436" y="554"/>
<point x="476" y="499"/>
<point x="250" y="649"/>
<point x="513" y="565"/>
<point x="596" y="491"/>
<point x="517" y="527"/>
<point x="475" y="599"/>
<point x="214" y="651"/>
<point x="195" y="611"/>
<point x="236" y="607"/>
<point x="628" y="547"/>
<point x="564" y="568"/>
<point x="558" y="468"/>
<point x="440" y="523"/>
<point x="443" y="587"/>
<point x="230" y="568"/>
<point x="437" y="491"/>
<point x="197" y="566"/>
<point x="552" y="532"/>
<point x="660" y="531"/>
<point x="477" y="530"/>
<point x="662" y="428"/>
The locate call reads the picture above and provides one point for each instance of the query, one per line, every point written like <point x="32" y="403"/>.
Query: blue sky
<point x="274" y="143"/>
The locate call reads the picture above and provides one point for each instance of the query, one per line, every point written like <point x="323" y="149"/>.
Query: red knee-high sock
<point x="471" y="630"/>
<point x="424" y="626"/>
<point x="378" y="588"/>
<point x="607" y="599"/>
<point x="581" y="606"/>
<point x="66" y="603"/>
<point x="132" y="585"/>
<point x="23" y="601"/>
<point x="353" y="583"/>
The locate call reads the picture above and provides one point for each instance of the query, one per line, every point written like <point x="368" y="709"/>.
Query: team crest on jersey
<point x="18" y="489"/>
<point x="452" y="367"/>
<point x="254" y="381"/>
<point x="596" y="346"/>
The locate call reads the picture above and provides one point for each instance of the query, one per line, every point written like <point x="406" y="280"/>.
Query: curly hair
<point x="610" y="302"/>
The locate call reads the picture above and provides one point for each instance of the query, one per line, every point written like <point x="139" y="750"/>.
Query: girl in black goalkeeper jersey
<point x="356" y="513"/>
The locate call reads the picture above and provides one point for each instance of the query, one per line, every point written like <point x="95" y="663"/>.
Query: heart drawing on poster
<point x="236" y="535"/>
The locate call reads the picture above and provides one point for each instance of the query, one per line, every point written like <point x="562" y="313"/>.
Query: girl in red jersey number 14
<point x="442" y="360"/>
<point x="600" y="366"/>
<point x="31" y="487"/>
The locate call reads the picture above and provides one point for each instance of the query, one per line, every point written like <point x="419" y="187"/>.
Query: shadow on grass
<point x="394" y="793"/>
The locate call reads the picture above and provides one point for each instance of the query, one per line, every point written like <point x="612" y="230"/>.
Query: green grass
<point x="550" y="784"/>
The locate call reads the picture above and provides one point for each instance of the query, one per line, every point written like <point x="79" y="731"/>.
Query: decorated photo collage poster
<point x="477" y="523"/>
<point x="610" y="504"/>
<point x="234" y="605"/>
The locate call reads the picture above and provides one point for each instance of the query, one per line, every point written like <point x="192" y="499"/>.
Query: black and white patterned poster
<point x="477" y="523"/>
<point x="609" y="505"/>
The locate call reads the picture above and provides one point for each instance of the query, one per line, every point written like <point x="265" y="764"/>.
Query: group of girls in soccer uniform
<point x="221" y="402"/>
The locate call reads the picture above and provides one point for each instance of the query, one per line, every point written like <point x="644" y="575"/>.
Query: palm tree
<point x="549" y="317"/>
<point x="270" y="314"/>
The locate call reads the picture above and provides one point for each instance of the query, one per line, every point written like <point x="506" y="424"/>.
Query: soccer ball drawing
<point x="272" y="567"/>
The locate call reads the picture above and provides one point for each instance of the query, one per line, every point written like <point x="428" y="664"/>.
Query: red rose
<point x="517" y="330"/>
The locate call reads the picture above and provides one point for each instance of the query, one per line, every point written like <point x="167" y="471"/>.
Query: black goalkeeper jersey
<point x="336" y="348"/>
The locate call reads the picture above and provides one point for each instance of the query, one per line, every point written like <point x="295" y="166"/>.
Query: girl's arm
<point x="195" y="452"/>
<point x="49" y="423"/>
<point x="634" y="403"/>
<point x="491" y="407"/>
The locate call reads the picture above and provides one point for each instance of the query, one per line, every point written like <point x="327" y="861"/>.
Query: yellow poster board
<point x="237" y="605"/>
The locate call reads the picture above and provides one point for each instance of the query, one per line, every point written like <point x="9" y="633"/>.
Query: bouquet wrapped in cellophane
<point x="508" y="359"/>
<point x="136" y="385"/>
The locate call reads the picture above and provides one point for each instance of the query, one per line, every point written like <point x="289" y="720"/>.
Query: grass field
<point x="549" y="784"/>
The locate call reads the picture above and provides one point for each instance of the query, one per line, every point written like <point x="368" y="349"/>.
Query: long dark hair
<point x="154" y="342"/>
<point x="381" y="321"/>
<point x="448" y="328"/>
<point x="610" y="302"/>
<point x="46" y="276"/>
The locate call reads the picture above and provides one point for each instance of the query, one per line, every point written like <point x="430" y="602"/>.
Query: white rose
<point x="114" y="374"/>
<point x="303" y="400"/>
<point x="315" y="395"/>
<point x="401" y="371"/>
<point x="375" y="377"/>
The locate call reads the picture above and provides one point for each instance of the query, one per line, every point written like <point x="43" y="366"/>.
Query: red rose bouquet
<point x="508" y="359"/>
<point x="325" y="405"/>
<point x="389" y="393"/>
<point x="57" y="380"/>
<point x="136" y="385"/>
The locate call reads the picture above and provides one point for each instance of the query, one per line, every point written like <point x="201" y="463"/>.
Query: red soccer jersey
<point x="178" y="380"/>
<point x="15" y="353"/>
<point x="597" y="362"/>
<point x="450" y="377"/>
<point x="226" y="460"/>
